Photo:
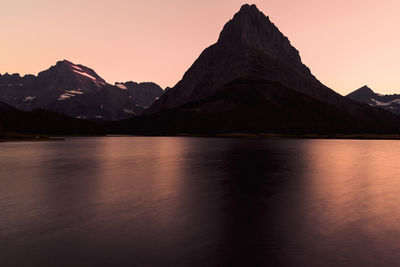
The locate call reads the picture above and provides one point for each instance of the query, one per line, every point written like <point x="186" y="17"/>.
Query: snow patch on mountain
<point x="76" y="67"/>
<point x="85" y="74"/>
<point x="29" y="98"/>
<point x="121" y="86"/>
<point x="385" y="104"/>
<point x="129" y="111"/>
<point x="68" y="94"/>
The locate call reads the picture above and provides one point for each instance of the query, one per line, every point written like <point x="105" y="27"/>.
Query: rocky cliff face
<point x="74" y="90"/>
<point x="367" y="96"/>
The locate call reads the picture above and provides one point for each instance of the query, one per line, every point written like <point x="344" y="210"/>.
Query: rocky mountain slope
<point x="74" y="90"/>
<point x="145" y="94"/>
<point x="367" y="96"/>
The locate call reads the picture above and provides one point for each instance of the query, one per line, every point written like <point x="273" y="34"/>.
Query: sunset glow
<point x="346" y="44"/>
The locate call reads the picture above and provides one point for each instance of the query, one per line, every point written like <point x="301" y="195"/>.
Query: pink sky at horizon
<point x="346" y="44"/>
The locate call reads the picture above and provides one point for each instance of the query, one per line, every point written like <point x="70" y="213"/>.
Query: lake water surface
<point x="138" y="201"/>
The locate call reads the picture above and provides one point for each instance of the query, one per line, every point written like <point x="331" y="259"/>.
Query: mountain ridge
<point x="252" y="49"/>
<point x="236" y="55"/>
<point x="389" y="102"/>
<point x="74" y="90"/>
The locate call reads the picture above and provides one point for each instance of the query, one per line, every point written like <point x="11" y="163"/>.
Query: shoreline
<point x="40" y="139"/>
<point x="17" y="137"/>
<point x="318" y="136"/>
<point x="43" y="138"/>
<point x="273" y="136"/>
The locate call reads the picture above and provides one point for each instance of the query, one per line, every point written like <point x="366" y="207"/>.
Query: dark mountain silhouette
<point x="253" y="80"/>
<point x="45" y="122"/>
<point x="255" y="106"/>
<point x="73" y="90"/>
<point x="145" y="94"/>
<point x="367" y="96"/>
<point x="4" y="107"/>
<point x="249" y="46"/>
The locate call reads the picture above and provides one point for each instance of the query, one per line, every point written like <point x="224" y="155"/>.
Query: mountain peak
<point x="78" y="70"/>
<point x="249" y="45"/>
<point x="367" y="96"/>
<point x="248" y="19"/>
<point x="252" y="28"/>
<point x="64" y="62"/>
<point x="365" y="89"/>
<point x="68" y="64"/>
<point x="364" y="93"/>
<point x="247" y="8"/>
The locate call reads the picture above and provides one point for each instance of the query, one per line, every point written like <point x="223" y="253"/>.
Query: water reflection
<point x="353" y="199"/>
<point x="199" y="202"/>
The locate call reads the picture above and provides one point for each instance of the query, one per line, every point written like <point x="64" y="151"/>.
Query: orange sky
<point x="346" y="44"/>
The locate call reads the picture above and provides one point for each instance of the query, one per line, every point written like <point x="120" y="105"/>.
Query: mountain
<point x="250" y="45"/>
<point x="45" y="122"/>
<point x="145" y="94"/>
<point x="70" y="89"/>
<point x="256" y="106"/>
<point x="367" y="96"/>
<point x="253" y="80"/>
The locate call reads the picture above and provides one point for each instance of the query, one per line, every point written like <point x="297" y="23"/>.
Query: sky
<point x="345" y="43"/>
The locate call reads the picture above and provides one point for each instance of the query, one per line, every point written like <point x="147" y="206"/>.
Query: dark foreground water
<point x="200" y="202"/>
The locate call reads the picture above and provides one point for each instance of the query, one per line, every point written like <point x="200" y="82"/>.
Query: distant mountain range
<point x="253" y="80"/>
<point x="367" y="96"/>
<point x="77" y="91"/>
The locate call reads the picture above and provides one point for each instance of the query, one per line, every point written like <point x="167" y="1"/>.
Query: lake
<point x="172" y="201"/>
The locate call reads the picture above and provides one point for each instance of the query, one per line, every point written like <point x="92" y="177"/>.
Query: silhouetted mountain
<point x="46" y="122"/>
<point x="255" y="106"/>
<point x="250" y="45"/>
<point x="367" y="96"/>
<point x="74" y="90"/>
<point x="145" y="94"/>
<point x="252" y="79"/>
